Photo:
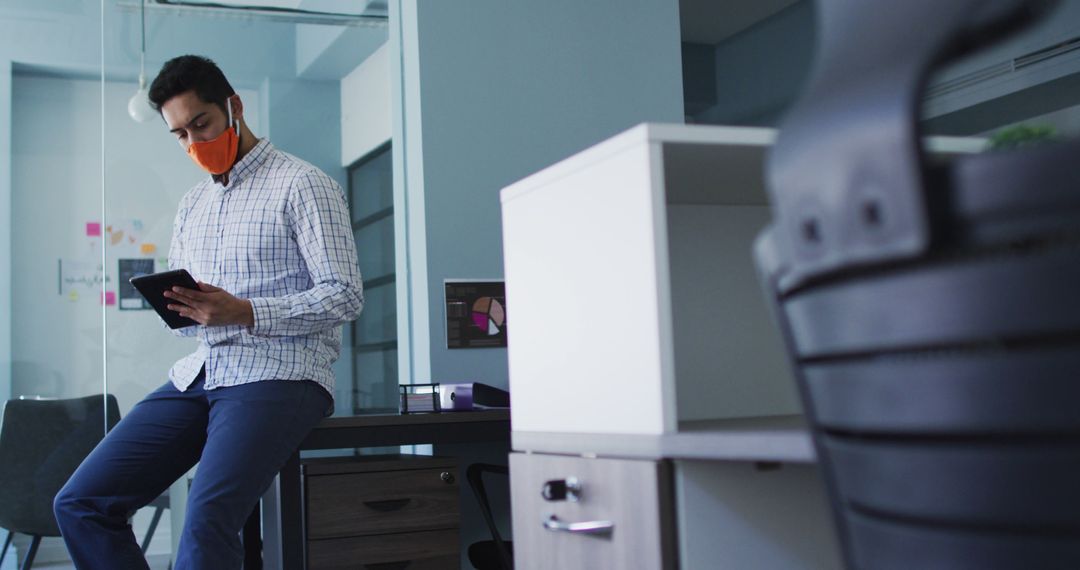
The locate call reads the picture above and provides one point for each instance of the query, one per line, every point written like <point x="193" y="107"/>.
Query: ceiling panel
<point x="712" y="21"/>
<point x="355" y="7"/>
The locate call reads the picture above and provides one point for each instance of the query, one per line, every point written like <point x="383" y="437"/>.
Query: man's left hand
<point x="211" y="306"/>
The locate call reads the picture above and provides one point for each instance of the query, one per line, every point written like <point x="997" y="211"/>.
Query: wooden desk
<point x="282" y="512"/>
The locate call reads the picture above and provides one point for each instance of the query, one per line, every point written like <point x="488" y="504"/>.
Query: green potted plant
<point x="1021" y="136"/>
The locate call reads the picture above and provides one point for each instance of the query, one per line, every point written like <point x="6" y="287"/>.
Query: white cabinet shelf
<point x="766" y="439"/>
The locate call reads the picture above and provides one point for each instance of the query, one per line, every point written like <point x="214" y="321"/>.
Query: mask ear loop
<point x="234" y="125"/>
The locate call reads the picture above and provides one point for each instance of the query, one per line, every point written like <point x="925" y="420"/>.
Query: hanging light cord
<point x="142" y="51"/>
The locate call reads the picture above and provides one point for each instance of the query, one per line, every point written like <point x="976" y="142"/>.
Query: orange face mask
<point x="218" y="155"/>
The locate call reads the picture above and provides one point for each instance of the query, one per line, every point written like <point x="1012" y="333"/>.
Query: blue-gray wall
<point x="487" y="92"/>
<point x="5" y="223"/>
<point x="490" y="92"/>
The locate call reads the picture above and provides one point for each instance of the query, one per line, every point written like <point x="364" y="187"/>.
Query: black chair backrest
<point x="929" y="309"/>
<point x="42" y="442"/>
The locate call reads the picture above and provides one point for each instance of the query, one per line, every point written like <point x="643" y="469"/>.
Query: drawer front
<point x="355" y="504"/>
<point x="433" y="550"/>
<point x="635" y="496"/>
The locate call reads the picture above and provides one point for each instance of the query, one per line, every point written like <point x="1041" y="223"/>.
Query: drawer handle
<point x="590" y="527"/>
<point x="389" y="565"/>
<point x="387" y="505"/>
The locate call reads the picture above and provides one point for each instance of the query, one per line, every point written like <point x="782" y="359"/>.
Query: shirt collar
<point x="247" y="165"/>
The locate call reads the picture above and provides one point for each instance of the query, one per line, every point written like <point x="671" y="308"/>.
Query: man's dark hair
<point x="190" y="73"/>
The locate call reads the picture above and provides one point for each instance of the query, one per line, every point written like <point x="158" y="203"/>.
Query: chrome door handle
<point x="553" y="524"/>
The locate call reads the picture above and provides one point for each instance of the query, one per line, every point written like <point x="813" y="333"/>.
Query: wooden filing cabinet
<point x="385" y="512"/>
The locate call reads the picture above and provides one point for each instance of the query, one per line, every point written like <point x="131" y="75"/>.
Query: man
<point x="267" y="236"/>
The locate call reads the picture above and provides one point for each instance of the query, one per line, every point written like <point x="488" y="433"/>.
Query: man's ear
<point x="237" y="106"/>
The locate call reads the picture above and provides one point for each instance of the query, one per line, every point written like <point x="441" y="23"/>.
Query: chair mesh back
<point x="929" y="310"/>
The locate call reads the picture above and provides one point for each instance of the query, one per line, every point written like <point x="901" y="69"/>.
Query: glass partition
<point x="89" y="192"/>
<point x="52" y="276"/>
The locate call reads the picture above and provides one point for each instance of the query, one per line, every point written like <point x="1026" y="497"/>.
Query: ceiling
<point x="702" y="21"/>
<point x="712" y="21"/>
<point x="355" y="7"/>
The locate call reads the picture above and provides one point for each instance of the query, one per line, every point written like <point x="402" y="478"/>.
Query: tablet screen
<point x="153" y="286"/>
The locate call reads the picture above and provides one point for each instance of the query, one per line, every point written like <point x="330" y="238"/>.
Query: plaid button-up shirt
<point x="279" y="235"/>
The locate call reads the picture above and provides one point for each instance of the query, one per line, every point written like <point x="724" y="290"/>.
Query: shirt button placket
<point x="222" y="213"/>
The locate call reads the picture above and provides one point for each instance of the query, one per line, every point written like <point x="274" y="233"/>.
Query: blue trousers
<point x="241" y="436"/>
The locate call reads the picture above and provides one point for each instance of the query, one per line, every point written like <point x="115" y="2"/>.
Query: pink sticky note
<point x="93" y="229"/>
<point x="110" y="297"/>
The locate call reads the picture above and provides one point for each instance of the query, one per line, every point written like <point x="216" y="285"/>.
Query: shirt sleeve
<point x="177" y="261"/>
<point x="320" y="221"/>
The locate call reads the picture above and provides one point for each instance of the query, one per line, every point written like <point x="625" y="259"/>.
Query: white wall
<point x="365" y="107"/>
<point x="325" y="52"/>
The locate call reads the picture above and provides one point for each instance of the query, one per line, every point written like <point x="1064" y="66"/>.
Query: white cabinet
<point x="641" y="336"/>
<point x="618" y="514"/>
<point x="629" y="270"/>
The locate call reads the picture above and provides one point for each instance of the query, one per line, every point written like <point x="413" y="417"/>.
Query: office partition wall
<point x="51" y="305"/>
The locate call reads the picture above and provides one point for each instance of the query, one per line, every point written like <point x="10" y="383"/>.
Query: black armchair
<point x="42" y="442"/>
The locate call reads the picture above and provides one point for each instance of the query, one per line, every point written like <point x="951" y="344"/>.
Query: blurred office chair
<point x="494" y="554"/>
<point x="42" y="442"/>
<point x="929" y="309"/>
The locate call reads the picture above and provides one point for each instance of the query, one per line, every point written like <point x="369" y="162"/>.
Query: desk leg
<point x="252" y="539"/>
<point x="283" y="538"/>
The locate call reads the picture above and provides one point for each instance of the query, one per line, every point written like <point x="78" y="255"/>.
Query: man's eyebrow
<point x="196" y="118"/>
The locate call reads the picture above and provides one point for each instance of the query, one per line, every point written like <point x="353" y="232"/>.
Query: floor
<point x="52" y="550"/>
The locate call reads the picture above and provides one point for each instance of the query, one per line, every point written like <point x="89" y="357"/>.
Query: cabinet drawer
<point x="635" y="496"/>
<point x="433" y="550"/>
<point x="353" y="504"/>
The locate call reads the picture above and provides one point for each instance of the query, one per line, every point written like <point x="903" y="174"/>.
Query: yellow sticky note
<point x="148" y="249"/>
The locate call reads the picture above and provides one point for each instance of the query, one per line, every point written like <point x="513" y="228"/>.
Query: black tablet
<point x="153" y="288"/>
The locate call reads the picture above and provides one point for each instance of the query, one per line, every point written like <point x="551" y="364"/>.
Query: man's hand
<point x="211" y="306"/>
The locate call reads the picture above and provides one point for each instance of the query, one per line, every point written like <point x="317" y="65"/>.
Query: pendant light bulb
<point x="139" y="105"/>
